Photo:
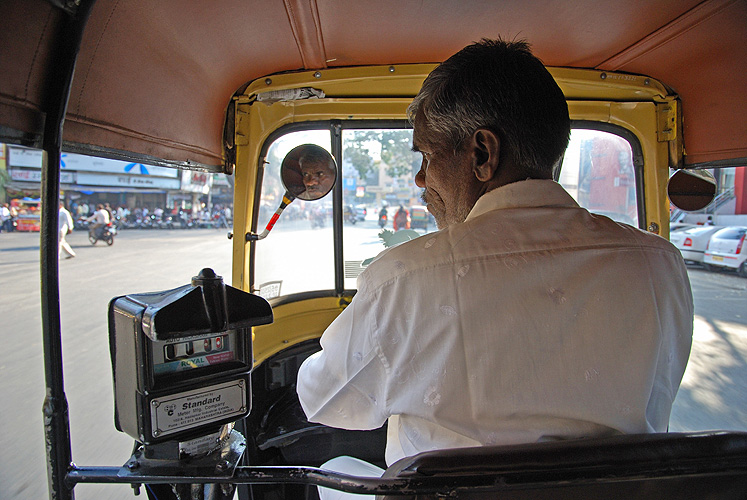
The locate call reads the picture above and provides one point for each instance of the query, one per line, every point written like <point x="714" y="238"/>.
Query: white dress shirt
<point x="100" y="217"/>
<point x="533" y="320"/>
<point x="64" y="221"/>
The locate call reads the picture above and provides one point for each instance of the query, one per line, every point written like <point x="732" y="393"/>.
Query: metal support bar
<point x="282" y="475"/>
<point x="56" y="423"/>
<point x="447" y="484"/>
<point x="337" y="207"/>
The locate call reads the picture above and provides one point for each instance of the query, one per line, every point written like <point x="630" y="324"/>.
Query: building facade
<point x="92" y="180"/>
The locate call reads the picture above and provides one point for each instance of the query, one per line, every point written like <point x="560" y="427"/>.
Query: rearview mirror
<point x="308" y="172"/>
<point x="691" y="190"/>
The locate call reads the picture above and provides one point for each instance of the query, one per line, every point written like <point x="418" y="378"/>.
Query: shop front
<point x="86" y="181"/>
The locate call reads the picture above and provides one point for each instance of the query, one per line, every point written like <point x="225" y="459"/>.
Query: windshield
<point x="280" y="267"/>
<point x="598" y="172"/>
<point x="381" y="205"/>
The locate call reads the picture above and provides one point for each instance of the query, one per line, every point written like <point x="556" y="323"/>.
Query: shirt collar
<point x="523" y="194"/>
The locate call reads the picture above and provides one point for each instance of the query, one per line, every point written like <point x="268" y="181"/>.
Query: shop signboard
<point x="35" y="176"/>
<point x="194" y="181"/>
<point x="221" y="180"/>
<point x="96" y="179"/>
<point x="32" y="158"/>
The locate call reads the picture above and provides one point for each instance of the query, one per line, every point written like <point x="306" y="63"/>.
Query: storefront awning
<point x="22" y="187"/>
<point x="34" y="187"/>
<point x="108" y="189"/>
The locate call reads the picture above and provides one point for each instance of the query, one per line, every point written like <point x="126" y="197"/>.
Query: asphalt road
<point x="139" y="261"/>
<point x="712" y="396"/>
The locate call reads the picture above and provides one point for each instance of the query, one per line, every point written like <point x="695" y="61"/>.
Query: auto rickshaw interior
<point x="654" y="92"/>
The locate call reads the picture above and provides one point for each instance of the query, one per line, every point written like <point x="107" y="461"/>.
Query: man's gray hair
<point x="502" y="87"/>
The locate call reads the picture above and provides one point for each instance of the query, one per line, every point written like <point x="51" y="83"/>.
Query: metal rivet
<point x="222" y="465"/>
<point x="391" y="69"/>
<point x="133" y="465"/>
<point x="603" y="76"/>
<point x="318" y="74"/>
<point x="268" y="81"/>
<point x="647" y="81"/>
<point x="653" y="228"/>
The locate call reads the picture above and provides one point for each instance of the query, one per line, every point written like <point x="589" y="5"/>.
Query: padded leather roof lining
<point x="155" y="78"/>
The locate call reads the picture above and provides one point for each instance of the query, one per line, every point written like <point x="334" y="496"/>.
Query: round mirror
<point x="691" y="190"/>
<point x="308" y="172"/>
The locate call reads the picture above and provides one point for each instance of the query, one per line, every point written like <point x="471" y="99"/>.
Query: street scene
<point x="154" y="260"/>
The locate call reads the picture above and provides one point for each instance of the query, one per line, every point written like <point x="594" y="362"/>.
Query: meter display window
<point x="197" y="356"/>
<point x="188" y="354"/>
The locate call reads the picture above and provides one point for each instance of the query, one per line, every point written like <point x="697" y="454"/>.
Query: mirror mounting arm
<point x="287" y="199"/>
<point x="302" y="161"/>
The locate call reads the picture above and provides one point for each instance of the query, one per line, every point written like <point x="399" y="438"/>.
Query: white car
<point x="680" y="226"/>
<point x="726" y="250"/>
<point x="693" y="241"/>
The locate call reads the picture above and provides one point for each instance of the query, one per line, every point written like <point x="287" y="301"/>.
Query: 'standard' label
<point x="186" y="410"/>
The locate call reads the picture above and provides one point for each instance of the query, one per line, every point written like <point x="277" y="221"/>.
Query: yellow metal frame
<point x="638" y="104"/>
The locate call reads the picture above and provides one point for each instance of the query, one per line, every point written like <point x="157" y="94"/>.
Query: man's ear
<point x="486" y="147"/>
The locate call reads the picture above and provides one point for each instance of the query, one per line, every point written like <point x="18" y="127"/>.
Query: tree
<point x="396" y="152"/>
<point x="357" y="152"/>
<point x="4" y="181"/>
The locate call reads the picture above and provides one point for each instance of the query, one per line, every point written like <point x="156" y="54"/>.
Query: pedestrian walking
<point x="5" y="218"/>
<point x="66" y="227"/>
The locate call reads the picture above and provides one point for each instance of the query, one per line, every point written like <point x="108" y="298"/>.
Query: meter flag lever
<point x="207" y="305"/>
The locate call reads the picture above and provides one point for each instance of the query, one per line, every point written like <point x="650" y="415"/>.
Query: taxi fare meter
<point x="181" y="358"/>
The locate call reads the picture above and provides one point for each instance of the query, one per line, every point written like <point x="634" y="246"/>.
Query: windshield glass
<point x="280" y="267"/>
<point x="598" y="172"/>
<point x="382" y="206"/>
<point x="381" y="203"/>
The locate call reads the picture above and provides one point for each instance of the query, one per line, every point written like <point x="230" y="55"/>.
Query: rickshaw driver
<point x="525" y="318"/>
<point x="100" y="218"/>
<point x="318" y="175"/>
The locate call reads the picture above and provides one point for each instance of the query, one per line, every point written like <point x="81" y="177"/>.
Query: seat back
<point x="706" y="465"/>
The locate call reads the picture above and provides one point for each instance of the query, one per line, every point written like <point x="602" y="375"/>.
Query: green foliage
<point x="359" y="154"/>
<point x="390" y="238"/>
<point x="4" y="181"/>
<point x="396" y="153"/>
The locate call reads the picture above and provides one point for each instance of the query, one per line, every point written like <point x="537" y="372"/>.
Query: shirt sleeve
<point x="343" y="385"/>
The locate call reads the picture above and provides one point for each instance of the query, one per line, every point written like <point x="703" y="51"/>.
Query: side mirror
<point x="308" y="172"/>
<point x="691" y="190"/>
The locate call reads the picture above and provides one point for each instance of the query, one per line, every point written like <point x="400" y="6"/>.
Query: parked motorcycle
<point x="104" y="233"/>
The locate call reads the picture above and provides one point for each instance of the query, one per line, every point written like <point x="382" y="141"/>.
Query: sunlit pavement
<point x="712" y="396"/>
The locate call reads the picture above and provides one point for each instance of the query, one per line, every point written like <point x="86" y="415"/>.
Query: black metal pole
<point x="59" y="81"/>
<point x="410" y="485"/>
<point x="337" y="210"/>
